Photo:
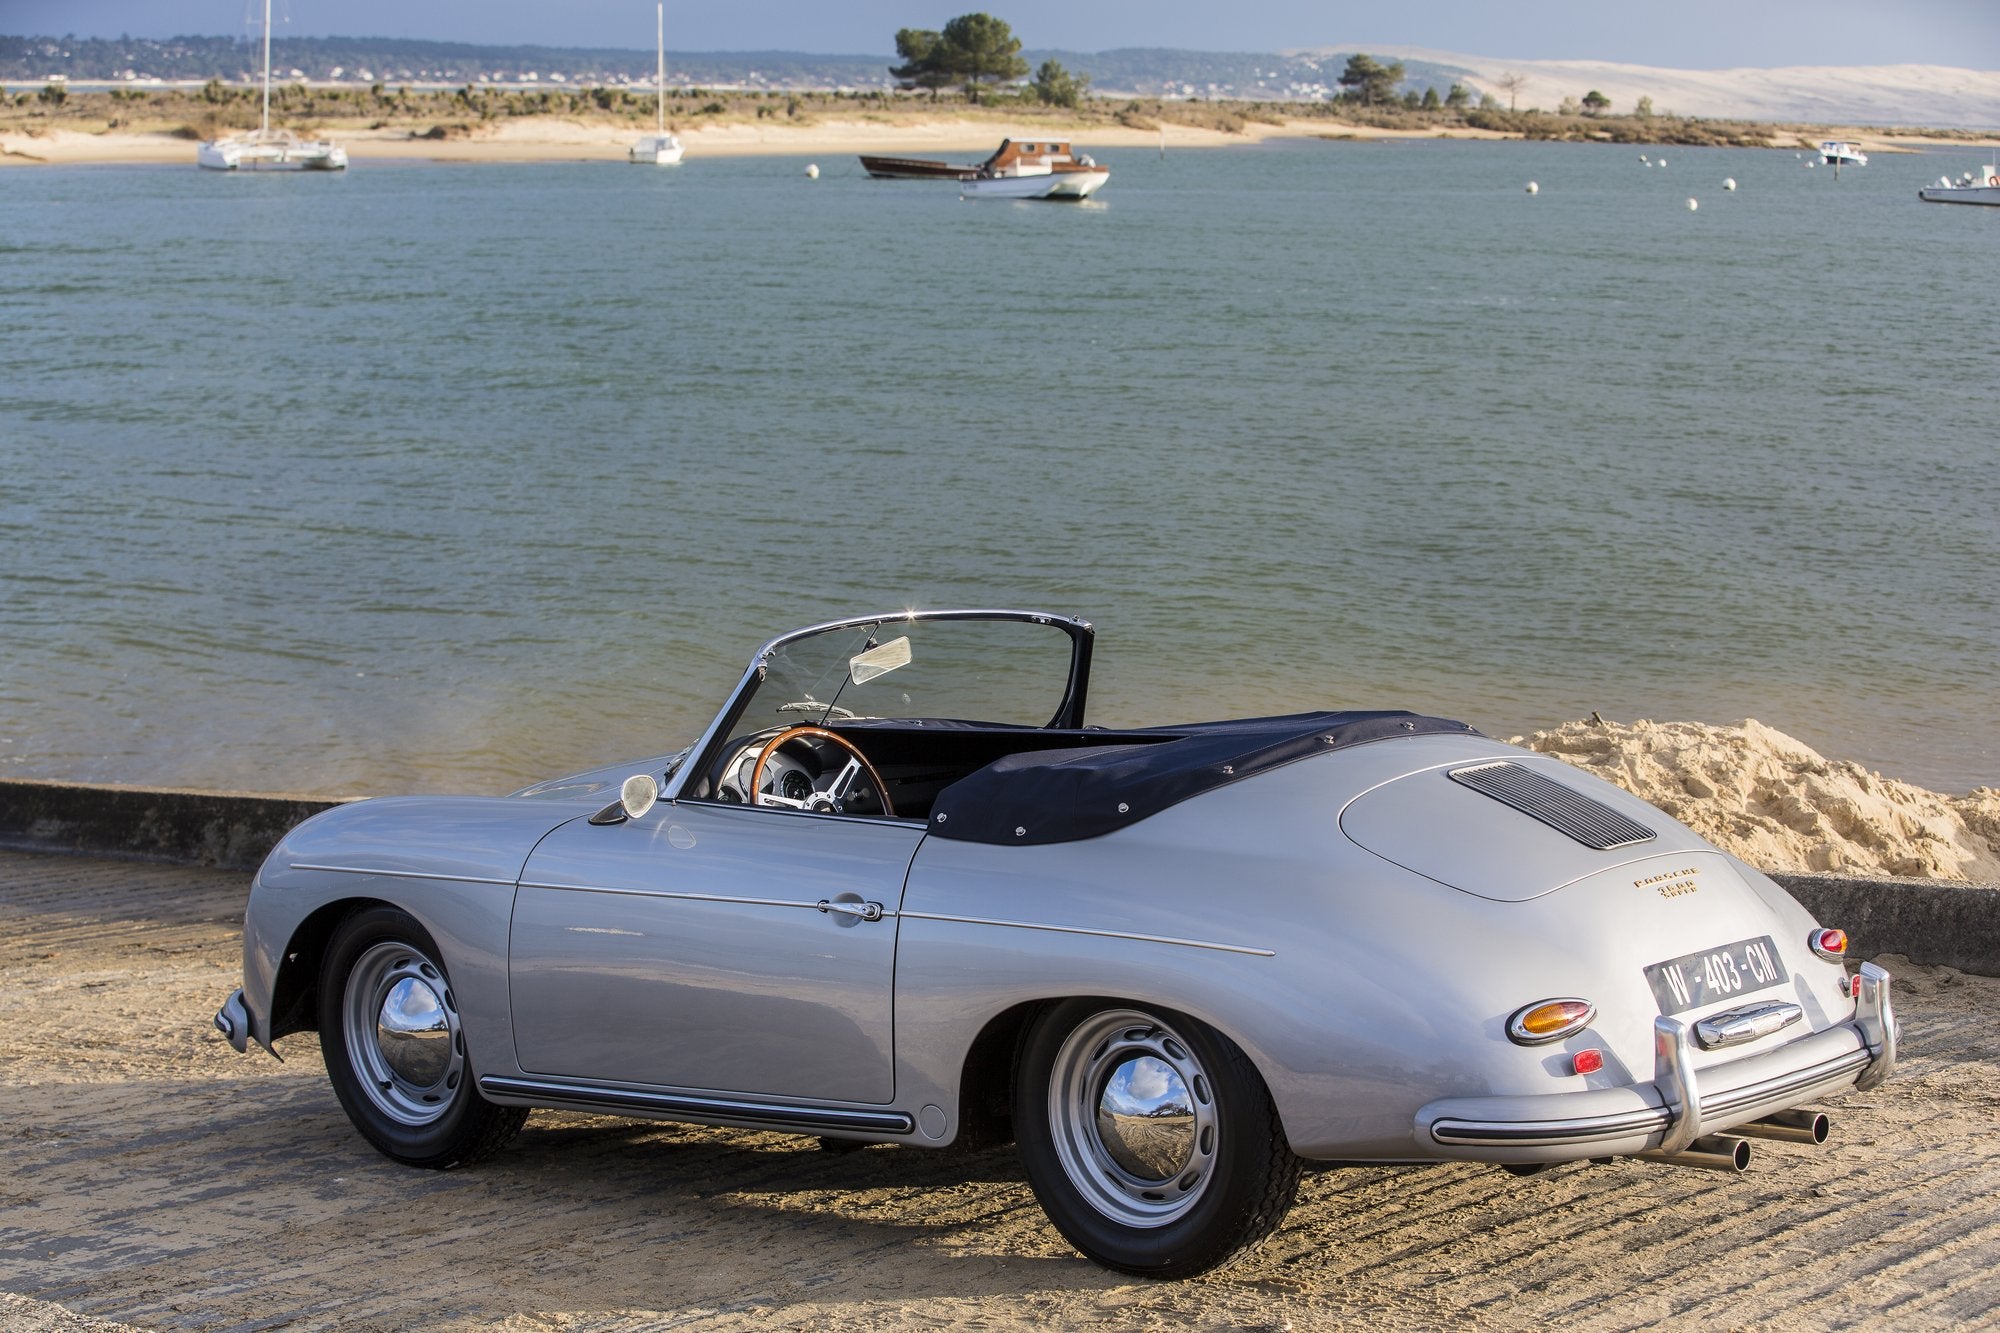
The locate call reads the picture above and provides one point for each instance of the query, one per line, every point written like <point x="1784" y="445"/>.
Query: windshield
<point x="1013" y="672"/>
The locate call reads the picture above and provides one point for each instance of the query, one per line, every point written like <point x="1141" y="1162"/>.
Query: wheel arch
<point x="295" y="988"/>
<point x="992" y="1060"/>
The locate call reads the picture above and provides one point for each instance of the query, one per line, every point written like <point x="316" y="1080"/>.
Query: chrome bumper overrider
<point x="1859" y="1054"/>
<point x="232" y="1020"/>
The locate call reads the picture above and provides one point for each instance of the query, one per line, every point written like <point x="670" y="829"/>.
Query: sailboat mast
<point x="661" y="83"/>
<point x="267" y="66"/>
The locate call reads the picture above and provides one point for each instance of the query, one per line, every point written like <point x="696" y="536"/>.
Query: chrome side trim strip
<point x="545" y="1092"/>
<point x="1082" y="930"/>
<point x="684" y="897"/>
<point x="402" y="874"/>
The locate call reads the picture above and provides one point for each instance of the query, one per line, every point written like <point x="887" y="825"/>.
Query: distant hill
<point x="1149" y="72"/>
<point x="1933" y="95"/>
<point x="1879" y="95"/>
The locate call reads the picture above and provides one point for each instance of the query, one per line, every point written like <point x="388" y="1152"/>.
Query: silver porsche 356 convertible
<point x="899" y="892"/>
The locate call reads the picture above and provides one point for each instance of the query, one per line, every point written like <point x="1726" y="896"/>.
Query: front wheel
<point x="1149" y="1138"/>
<point x="389" y="1029"/>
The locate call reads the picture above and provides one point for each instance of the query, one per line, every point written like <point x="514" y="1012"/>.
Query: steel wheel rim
<point x="1112" y="1060"/>
<point x="402" y="1033"/>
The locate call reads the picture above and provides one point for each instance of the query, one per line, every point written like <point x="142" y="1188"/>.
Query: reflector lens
<point x="1589" y="1062"/>
<point x="1549" y="1020"/>
<point x="1829" y="944"/>
<point x="1854" y="987"/>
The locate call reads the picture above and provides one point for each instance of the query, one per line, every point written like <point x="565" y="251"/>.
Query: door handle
<point x="866" y="911"/>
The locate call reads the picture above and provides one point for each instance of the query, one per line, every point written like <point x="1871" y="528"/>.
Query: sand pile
<point x="1781" y="805"/>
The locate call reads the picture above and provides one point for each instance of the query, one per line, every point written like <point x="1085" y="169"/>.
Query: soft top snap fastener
<point x="1124" y="808"/>
<point x="940" y="819"/>
<point x="1020" y="833"/>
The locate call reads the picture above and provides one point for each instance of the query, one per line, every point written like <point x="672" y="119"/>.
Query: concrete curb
<point x="229" y="830"/>
<point x="1928" y="921"/>
<point x="1936" y="922"/>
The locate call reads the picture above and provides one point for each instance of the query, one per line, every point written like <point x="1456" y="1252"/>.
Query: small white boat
<point x="1034" y="171"/>
<point x="1968" y="189"/>
<point x="266" y="149"/>
<point x="1840" y="153"/>
<point x="659" y="149"/>
<point x="270" y="150"/>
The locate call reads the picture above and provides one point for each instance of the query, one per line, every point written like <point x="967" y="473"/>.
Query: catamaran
<point x="660" y="149"/>
<point x="266" y="149"/>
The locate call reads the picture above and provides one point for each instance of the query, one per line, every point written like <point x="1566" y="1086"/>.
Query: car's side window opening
<point x="914" y="759"/>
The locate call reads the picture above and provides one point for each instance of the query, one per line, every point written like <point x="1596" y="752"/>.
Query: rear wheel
<point x="395" y="1052"/>
<point x="1149" y="1138"/>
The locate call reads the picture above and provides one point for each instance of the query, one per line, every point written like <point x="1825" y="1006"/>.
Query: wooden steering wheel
<point x="832" y="798"/>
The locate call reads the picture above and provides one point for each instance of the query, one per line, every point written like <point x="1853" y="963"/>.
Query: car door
<point x="688" y="949"/>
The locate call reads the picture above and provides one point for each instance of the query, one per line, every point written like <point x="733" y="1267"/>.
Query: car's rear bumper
<point x="1680" y="1105"/>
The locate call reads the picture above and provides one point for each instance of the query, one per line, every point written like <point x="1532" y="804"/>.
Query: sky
<point x="1688" y="34"/>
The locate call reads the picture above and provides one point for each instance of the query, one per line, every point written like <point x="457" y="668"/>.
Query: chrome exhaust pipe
<point x="1716" y="1152"/>
<point x="1788" y="1127"/>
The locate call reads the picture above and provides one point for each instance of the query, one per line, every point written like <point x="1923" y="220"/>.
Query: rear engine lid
<point x="1509" y="829"/>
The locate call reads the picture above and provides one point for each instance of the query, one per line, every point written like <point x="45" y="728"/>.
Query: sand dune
<point x="1781" y="805"/>
<point x="1881" y="95"/>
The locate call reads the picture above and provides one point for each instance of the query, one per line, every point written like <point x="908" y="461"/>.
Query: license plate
<point x="1696" y="979"/>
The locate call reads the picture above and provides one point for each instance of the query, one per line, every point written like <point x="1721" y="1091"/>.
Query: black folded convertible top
<point x="1063" y="795"/>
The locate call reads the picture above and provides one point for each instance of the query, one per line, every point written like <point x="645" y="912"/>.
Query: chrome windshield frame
<point x="1069" y="715"/>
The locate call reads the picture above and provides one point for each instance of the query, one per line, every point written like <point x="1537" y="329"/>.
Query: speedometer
<point x="794" y="785"/>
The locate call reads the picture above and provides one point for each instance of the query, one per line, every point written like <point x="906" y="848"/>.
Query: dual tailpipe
<point x="1731" y="1152"/>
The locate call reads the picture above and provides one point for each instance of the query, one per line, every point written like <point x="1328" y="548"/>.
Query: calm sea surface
<point x="428" y="478"/>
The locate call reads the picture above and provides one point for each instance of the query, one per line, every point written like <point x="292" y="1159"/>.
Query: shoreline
<point x="562" y="139"/>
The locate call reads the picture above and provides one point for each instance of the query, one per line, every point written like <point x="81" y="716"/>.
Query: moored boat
<point x="1967" y="189"/>
<point x="266" y="149"/>
<point x="1040" y="170"/>
<point x="1840" y="153"/>
<point x="659" y="149"/>
<point x="913" y="168"/>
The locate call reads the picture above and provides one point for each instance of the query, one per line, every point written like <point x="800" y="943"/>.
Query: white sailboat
<point x="266" y="149"/>
<point x="660" y="149"/>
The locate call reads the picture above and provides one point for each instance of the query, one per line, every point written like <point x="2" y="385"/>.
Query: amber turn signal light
<point x="1549" y="1020"/>
<point x="1829" y="944"/>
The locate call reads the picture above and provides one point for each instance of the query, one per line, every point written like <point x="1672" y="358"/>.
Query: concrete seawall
<point x="229" y="830"/>
<point x="1929" y="921"/>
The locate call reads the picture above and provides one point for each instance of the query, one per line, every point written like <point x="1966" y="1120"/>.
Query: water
<point x="429" y="478"/>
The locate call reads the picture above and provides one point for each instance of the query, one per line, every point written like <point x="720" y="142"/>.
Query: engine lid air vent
<point x="1562" y="808"/>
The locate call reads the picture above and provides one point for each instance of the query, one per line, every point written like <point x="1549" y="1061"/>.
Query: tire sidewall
<point x="1217" y="1224"/>
<point x="435" y="1144"/>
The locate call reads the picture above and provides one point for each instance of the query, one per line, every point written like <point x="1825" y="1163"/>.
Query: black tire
<point x="1130" y="1180"/>
<point x="389" y="1030"/>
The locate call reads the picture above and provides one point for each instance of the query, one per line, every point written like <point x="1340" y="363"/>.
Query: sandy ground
<point x="552" y="139"/>
<point x="156" y="1178"/>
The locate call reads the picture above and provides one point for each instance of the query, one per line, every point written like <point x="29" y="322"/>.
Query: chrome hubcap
<point x="1133" y="1118"/>
<point x="402" y="1033"/>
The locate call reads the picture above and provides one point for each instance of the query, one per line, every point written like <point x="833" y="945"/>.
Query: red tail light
<point x="1829" y="944"/>
<point x="1589" y="1061"/>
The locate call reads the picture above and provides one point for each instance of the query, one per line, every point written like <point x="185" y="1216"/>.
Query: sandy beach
<point x="554" y="139"/>
<point x="560" y="139"/>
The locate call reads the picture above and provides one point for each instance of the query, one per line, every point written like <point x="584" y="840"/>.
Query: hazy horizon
<point x="1706" y="34"/>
